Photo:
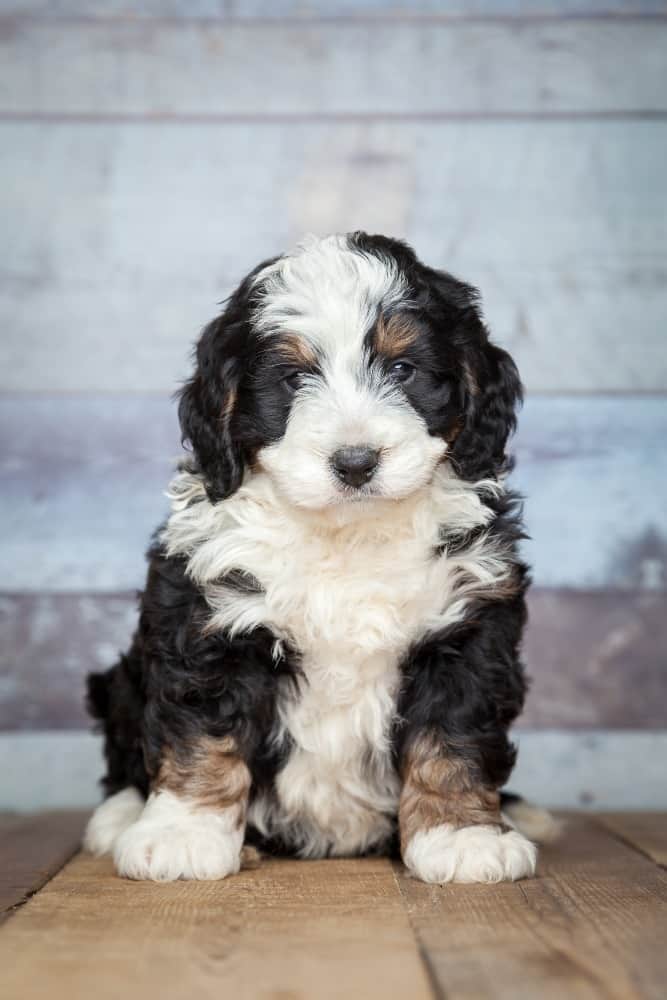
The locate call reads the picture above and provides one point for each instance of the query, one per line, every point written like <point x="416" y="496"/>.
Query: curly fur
<point x="319" y="625"/>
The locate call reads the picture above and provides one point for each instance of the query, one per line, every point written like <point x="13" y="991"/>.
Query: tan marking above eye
<point x="395" y="335"/>
<point x="297" y="351"/>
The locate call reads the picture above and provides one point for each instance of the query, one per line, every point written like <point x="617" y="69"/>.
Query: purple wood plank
<point x="597" y="659"/>
<point x="48" y="643"/>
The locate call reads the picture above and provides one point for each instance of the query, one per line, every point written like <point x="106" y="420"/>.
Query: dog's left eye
<point x="402" y="371"/>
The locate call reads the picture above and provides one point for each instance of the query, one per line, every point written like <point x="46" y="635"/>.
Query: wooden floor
<point x="592" y="924"/>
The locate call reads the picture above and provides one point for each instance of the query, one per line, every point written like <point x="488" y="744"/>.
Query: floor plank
<point x="32" y="849"/>
<point x="647" y="831"/>
<point x="593" y="924"/>
<point x="287" y="930"/>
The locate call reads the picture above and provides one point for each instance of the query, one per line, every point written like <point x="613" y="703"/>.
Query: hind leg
<point x="116" y="701"/>
<point x="111" y="819"/>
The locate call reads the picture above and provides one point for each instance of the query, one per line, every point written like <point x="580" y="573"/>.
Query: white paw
<point x="174" y="840"/>
<point x="110" y="819"/>
<point x="471" y="854"/>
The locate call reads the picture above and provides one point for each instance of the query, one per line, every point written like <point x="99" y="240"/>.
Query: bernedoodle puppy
<point x="327" y="657"/>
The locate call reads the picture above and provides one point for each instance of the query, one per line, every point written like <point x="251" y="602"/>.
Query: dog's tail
<point x="532" y="821"/>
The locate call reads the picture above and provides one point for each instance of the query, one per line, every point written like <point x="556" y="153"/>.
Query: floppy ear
<point x="493" y="393"/>
<point x="206" y="412"/>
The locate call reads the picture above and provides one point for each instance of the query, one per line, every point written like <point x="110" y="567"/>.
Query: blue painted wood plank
<point x="557" y="768"/>
<point x="83" y="483"/>
<point x="594" y="474"/>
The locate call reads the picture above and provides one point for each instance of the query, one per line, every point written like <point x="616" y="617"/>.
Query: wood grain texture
<point x="561" y="224"/>
<point x="32" y="850"/>
<point x="306" y="9"/>
<point x="591" y="925"/>
<point x="83" y="482"/>
<point x="181" y="68"/>
<point x="647" y="831"/>
<point x="298" y="929"/>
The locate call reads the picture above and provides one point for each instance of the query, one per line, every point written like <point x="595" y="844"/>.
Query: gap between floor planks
<point x="593" y="924"/>
<point x="647" y="831"/>
<point x="32" y="849"/>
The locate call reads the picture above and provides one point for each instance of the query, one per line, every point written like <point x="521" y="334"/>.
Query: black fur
<point x="179" y="682"/>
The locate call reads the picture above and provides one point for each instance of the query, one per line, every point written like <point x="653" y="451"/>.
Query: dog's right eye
<point x="292" y="379"/>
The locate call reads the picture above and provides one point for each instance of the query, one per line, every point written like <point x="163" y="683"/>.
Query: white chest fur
<point x="350" y="591"/>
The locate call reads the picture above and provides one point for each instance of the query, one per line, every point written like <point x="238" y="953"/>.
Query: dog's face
<point x="348" y="371"/>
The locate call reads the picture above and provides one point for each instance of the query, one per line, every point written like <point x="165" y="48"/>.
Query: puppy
<point x="327" y="657"/>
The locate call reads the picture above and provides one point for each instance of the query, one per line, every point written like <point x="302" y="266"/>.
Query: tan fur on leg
<point x="450" y="823"/>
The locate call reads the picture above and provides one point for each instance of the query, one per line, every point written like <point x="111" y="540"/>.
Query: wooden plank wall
<point x="153" y="152"/>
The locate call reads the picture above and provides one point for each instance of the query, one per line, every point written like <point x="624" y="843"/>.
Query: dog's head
<point x="348" y="370"/>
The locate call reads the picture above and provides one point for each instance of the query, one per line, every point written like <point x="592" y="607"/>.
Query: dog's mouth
<point x="357" y="494"/>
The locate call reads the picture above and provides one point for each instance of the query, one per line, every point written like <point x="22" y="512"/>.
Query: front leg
<point x="193" y="824"/>
<point x="450" y="822"/>
<point x="461" y="693"/>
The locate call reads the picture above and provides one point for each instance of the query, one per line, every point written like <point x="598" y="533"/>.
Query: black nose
<point x="355" y="466"/>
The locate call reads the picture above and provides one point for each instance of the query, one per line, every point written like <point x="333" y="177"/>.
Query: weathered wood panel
<point x="331" y="68"/>
<point x="232" y="9"/>
<point x="297" y="929"/>
<point x="49" y="643"/>
<point x="121" y="239"/>
<point x="32" y="850"/>
<point x="596" y="769"/>
<point x="596" y="659"/>
<point x="84" y="481"/>
<point x="83" y="489"/>
<point x="591" y="925"/>
<point x="594" y="475"/>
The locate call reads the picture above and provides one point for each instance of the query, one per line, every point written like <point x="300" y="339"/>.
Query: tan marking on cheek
<point x="454" y="430"/>
<point x="228" y="405"/>
<point x="395" y="335"/>
<point x="211" y="774"/>
<point x="439" y="787"/>
<point x="297" y="351"/>
<point x="470" y="380"/>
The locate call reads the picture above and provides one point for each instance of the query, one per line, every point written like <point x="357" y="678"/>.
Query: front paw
<point x="188" y="844"/>
<point x="470" y="854"/>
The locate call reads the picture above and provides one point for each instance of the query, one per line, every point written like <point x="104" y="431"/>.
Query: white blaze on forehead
<point x="328" y="292"/>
